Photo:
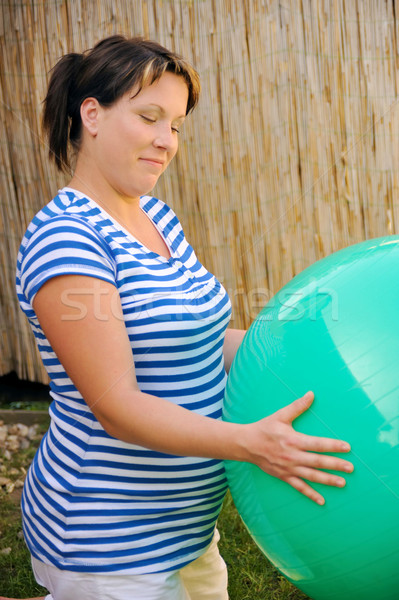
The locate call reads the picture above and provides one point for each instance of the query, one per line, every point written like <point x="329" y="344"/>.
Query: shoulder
<point x="59" y="237"/>
<point x="64" y="220"/>
<point x="64" y="224"/>
<point x="62" y="239"/>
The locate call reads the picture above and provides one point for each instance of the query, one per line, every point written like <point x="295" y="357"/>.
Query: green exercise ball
<point x="334" y="329"/>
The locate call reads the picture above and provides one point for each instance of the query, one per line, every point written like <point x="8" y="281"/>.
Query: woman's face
<point x="135" y="139"/>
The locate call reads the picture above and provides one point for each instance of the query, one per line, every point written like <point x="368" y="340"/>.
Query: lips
<point x="156" y="162"/>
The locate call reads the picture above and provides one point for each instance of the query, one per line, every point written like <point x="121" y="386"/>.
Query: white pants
<point x="203" y="579"/>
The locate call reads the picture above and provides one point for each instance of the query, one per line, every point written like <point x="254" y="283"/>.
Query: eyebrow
<point x="162" y="110"/>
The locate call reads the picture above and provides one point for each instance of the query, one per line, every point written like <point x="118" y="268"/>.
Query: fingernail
<point x="341" y="482"/>
<point x="349" y="468"/>
<point x="320" y="501"/>
<point x="345" y="446"/>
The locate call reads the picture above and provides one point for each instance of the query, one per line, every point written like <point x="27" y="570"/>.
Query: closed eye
<point x="148" y="119"/>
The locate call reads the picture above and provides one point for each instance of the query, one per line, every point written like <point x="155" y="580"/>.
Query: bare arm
<point x="93" y="346"/>
<point x="232" y="341"/>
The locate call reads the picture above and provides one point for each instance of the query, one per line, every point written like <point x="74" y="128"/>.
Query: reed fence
<point x="292" y="153"/>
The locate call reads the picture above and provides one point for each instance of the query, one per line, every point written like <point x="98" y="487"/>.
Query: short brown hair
<point x="111" y="68"/>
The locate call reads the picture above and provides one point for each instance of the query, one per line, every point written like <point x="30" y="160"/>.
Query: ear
<point x="89" y="113"/>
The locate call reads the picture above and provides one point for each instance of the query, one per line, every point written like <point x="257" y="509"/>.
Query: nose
<point x="165" y="138"/>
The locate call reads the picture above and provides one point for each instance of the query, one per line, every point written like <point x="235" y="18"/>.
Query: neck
<point x="89" y="182"/>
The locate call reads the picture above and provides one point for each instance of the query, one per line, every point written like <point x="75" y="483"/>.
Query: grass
<point x="16" y="577"/>
<point x="26" y="405"/>
<point x="251" y="576"/>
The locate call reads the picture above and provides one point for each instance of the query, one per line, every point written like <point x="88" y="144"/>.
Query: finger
<point x="322" y="461"/>
<point x="320" y="444"/>
<point x="305" y="489"/>
<point x="316" y="476"/>
<point x="332" y="463"/>
<point x="296" y="408"/>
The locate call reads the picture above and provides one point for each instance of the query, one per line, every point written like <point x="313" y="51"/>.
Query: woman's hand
<point x="294" y="457"/>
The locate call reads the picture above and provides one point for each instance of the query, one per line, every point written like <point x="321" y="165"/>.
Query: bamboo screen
<point x="291" y="154"/>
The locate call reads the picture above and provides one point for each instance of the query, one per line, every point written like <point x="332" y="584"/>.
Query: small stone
<point x="7" y="454"/>
<point x="20" y="535"/>
<point x="5" y="551"/>
<point x="24" y="443"/>
<point x="32" y="432"/>
<point x="13" y="472"/>
<point x="19" y="484"/>
<point x="4" y="481"/>
<point x="13" y="446"/>
<point x="22" y="430"/>
<point x="10" y="487"/>
<point x="12" y="443"/>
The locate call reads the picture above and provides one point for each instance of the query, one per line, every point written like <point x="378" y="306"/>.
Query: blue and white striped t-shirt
<point x="91" y="502"/>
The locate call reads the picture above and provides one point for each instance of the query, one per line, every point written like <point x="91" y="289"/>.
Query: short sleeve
<point x="63" y="245"/>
